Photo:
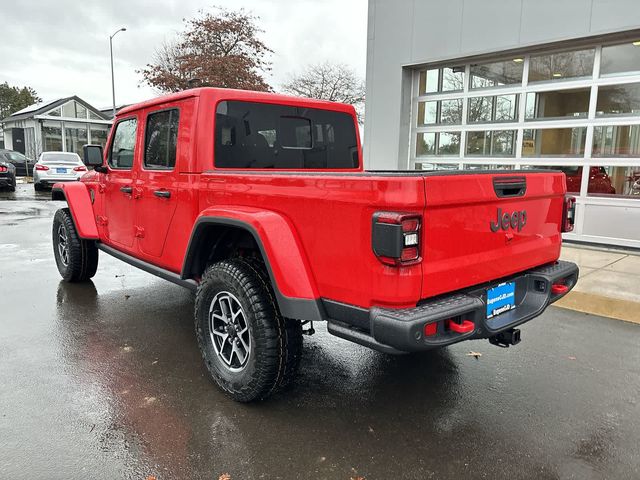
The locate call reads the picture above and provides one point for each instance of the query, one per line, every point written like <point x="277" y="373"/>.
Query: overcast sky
<point x="61" y="47"/>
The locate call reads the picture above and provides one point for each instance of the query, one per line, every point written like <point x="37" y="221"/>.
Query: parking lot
<point x="104" y="380"/>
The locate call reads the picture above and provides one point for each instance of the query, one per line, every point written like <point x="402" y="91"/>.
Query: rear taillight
<point x="81" y="168"/>
<point x="3" y="168"/>
<point x="41" y="167"/>
<point x="568" y="214"/>
<point x="395" y="238"/>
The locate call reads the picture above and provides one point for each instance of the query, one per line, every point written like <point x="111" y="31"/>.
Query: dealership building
<point x="513" y="84"/>
<point x="62" y="125"/>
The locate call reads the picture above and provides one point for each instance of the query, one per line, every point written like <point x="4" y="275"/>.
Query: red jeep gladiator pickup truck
<point x="259" y="202"/>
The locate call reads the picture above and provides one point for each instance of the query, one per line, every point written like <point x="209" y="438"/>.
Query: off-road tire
<point x="270" y="363"/>
<point x="81" y="255"/>
<point x="293" y="329"/>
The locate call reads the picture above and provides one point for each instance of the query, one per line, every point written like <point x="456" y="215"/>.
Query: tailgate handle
<point x="510" y="186"/>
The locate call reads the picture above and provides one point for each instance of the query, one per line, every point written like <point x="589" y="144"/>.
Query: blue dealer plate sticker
<point x="501" y="299"/>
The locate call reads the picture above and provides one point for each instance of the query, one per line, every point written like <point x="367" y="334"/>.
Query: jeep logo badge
<point x="515" y="220"/>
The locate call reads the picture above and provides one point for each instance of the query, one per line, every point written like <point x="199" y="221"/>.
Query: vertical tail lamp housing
<point x="395" y="238"/>
<point x="568" y="213"/>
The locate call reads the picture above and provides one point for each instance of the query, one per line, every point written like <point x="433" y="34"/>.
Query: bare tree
<point x="327" y="81"/>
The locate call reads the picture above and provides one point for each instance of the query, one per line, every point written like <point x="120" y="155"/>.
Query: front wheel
<point x="249" y="349"/>
<point x="77" y="259"/>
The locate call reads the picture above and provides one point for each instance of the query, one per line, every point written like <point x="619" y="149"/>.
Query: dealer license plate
<point x="61" y="170"/>
<point x="501" y="298"/>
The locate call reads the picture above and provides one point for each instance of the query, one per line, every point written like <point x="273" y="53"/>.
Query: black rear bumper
<point x="403" y="330"/>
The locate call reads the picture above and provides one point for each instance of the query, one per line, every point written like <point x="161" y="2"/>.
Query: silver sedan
<point x="54" y="167"/>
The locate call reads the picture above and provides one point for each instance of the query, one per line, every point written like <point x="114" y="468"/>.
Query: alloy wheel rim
<point x="229" y="331"/>
<point x="63" y="245"/>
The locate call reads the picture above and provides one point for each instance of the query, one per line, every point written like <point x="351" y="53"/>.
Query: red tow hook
<point x="464" y="327"/>
<point x="559" y="289"/>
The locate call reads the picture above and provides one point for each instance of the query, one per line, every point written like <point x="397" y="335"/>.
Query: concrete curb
<point x="619" y="309"/>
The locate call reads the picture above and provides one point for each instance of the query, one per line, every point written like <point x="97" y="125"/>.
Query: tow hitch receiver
<point x="506" y="338"/>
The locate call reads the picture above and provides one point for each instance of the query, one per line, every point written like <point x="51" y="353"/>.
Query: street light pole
<point x="113" y="83"/>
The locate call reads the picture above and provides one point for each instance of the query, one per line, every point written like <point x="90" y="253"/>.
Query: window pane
<point x="436" y="166"/>
<point x="81" y="112"/>
<point x="123" y="144"/>
<point x="99" y="136"/>
<point x="449" y="143"/>
<point x="451" y="111"/>
<point x="502" y="143"/>
<point x="161" y="139"/>
<point x="52" y="139"/>
<point x="429" y="81"/>
<point x="616" y="141"/>
<point x="491" y="143"/>
<point x="427" y="113"/>
<point x="506" y="108"/>
<point x="260" y="135"/>
<point x="75" y="138"/>
<point x="452" y="78"/>
<point x="69" y="109"/>
<point x="479" y="143"/>
<point x="620" y="181"/>
<point x="559" y="66"/>
<point x="471" y="166"/>
<point x="508" y="72"/>
<point x="426" y="144"/>
<point x="558" y="104"/>
<point x="619" y="100"/>
<point x="502" y="108"/>
<point x="573" y="174"/>
<point x="618" y="59"/>
<point x="55" y="112"/>
<point x="94" y="116"/>
<point x="480" y="109"/>
<point x="568" y="142"/>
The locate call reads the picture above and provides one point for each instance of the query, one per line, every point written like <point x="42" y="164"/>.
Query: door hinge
<point x="102" y="221"/>
<point x="139" y="232"/>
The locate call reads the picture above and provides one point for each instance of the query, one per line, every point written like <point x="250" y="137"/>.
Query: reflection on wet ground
<point x="104" y="380"/>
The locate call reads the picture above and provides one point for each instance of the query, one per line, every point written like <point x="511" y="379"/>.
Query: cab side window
<point x="123" y="144"/>
<point x="161" y="140"/>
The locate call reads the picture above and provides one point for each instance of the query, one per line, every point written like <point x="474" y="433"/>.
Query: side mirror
<point x="92" y="155"/>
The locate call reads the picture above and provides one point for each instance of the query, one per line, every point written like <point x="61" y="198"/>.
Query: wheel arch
<point x="78" y="199"/>
<point x="276" y="243"/>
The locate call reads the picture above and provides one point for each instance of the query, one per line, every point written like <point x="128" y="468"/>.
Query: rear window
<point x="260" y="135"/>
<point x="15" y="156"/>
<point x="59" y="158"/>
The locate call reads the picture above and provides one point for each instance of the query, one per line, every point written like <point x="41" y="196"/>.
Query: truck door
<point x="119" y="183"/>
<point x="157" y="180"/>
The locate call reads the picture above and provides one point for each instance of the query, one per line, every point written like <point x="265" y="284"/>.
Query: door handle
<point x="127" y="189"/>
<point x="162" y="193"/>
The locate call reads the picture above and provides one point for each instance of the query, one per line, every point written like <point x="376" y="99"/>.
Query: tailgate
<point x="465" y="241"/>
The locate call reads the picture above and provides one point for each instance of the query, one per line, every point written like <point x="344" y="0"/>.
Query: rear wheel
<point x="77" y="259"/>
<point x="249" y="349"/>
<point x="37" y="187"/>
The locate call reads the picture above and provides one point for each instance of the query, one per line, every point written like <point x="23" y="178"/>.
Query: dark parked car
<point x="7" y="176"/>
<point x="24" y="165"/>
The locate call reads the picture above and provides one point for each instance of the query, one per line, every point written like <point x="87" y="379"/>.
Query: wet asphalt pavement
<point x="104" y="381"/>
